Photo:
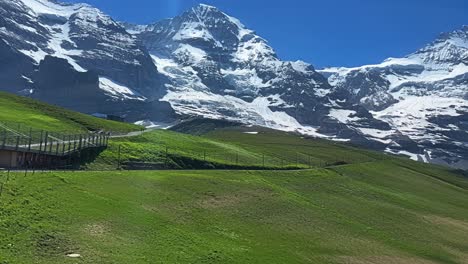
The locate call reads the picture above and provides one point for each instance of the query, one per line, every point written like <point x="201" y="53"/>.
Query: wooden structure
<point x="27" y="148"/>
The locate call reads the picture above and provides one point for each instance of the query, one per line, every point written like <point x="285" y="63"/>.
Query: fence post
<point x="45" y="141"/>
<point x="118" y="160"/>
<point x="81" y="142"/>
<point x="64" y="142"/>
<point x="40" y="144"/>
<point x="74" y="142"/>
<point x="17" y="142"/>
<point x="50" y="147"/>
<point x="57" y="146"/>
<point x="30" y="139"/>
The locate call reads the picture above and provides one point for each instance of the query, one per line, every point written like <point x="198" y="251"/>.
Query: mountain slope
<point x="207" y="63"/>
<point x="423" y="96"/>
<point x="25" y="113"/>
<point x="75" y="56"/>
<point x="220" y="69"/>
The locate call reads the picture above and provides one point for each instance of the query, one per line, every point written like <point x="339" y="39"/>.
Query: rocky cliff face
<point x="75" y="56"/>
<point x="217" y="68"/>
<point x="423" y="97"/>
<point x="207" y="63"/>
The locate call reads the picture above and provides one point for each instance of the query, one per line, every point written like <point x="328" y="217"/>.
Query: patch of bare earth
<point x="150" y="208"/>
<point x="97" y="229"/>
<point x="223" y="201"/>
<point x="211" y="200"/>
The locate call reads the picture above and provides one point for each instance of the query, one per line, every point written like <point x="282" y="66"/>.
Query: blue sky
<point x="324" y="33"/>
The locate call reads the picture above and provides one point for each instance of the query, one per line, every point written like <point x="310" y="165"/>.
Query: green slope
<point x="353" y="206"/>
<point x="231" y="147"/>
<point x="31" y="113"/>
<point x="374" y="212"/>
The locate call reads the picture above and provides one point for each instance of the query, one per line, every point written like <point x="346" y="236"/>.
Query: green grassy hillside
<point x="38" y="115"/>
<point x="345" y="205"/>
<point x="373" y="212"/>
<point x="231" y="147"/>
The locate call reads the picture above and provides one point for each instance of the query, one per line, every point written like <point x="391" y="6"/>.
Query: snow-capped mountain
<point x="207" y="63"/>
<point x="422" y="96"/>
<point x="217" y="68"/>
<point x="96" y="63"/>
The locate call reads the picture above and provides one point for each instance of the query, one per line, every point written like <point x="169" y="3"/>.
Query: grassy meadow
<point x="374" y="212"/>
<point x="230" y="148"/>
<point x="296" y="200"/>
<point x="30" y="113"/>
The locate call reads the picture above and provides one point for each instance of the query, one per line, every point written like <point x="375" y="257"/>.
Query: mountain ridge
<point x="206" y="63"/>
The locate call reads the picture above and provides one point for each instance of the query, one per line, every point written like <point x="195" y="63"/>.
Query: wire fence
<point x="71" y="151"/>
<point x="181" y="158"/>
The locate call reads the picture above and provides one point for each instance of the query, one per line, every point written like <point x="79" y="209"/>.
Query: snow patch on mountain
<point x="59" y="35"/>
<point x="343" y="115"/>
<point x="195" y="55"/>
<point x="214" y="106"/>
<point x="36" y="55"/>
<point x="191" y="31"/>
<point x="48" y="7"/>
<point x="411" y="115"/>
<point x="301" y="66"/>
<point x="246" y="78"/>
<point x="210" y="64"/>
<point x="255" y="50"/>
<point x="118" y="91"/>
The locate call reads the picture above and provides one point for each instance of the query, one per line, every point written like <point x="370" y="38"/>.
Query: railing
<point x="17" y="137"/>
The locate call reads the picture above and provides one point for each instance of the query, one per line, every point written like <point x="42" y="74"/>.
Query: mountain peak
<point x="209" y="22"/>
<point x="203" y="10"/>
<point x="449" y="48"/>
<point x="461" y="33"/>
<point x="205" y="7"/>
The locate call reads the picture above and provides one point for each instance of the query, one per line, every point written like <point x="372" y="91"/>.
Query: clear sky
<point x="325" y="32"/>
